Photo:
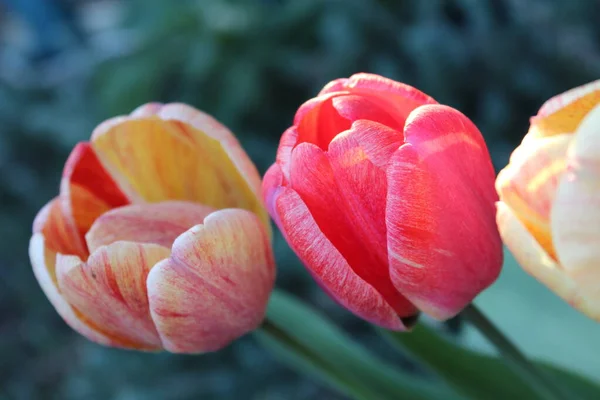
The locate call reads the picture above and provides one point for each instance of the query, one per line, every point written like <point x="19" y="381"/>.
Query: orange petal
<point x="528" y="183"/>
<point x="532" y="257"/>
<point x="158" y="160"/>
<point x="43" y="260"/>
<point x="87" y="190"/>
<point x="575" y="217"/>
<point x="158" y="223"/>
<point x="563" y="113"/>
<point x="215" y="286"/>
<point x="60" y="233"/>
<point x="109" y="290"/>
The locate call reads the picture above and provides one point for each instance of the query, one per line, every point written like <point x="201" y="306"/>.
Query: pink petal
<point x="355" y="107"/>
<point x="60" y="233"/>
<point x="345" y="194"/>
<point x="321" y="124"/>
<point x="378" y="142"/>
<point x="158" y="223"/>
<point x="272" y="180"/>
<point x="43" y="261"/>
<point x="400" y="97"/>
<point x="288" y="141"/>
<point x="215" y="286"/>
<point x="327" y="265"/>
<point x="109" y="290"/>
<point x="444" y="247"/>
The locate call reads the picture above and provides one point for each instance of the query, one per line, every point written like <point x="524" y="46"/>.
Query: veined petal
<point x="532" y="257"/>
<point x="272" y="180"/>
<point x="158" y="223"/>
<point x="60" y="233"/>
<point x="528" y="184"/>
<point x="327" y="265"/>
<point x="207" y="125"/>
<point x="87" y="190"/>
<point x="345" y="194"/>
<point x="288" y="141"/>
<point x="575" y="217"/>
<point x="109" y="290"/>
<point x="321" y="123"/>
<point x="564" y="113"/>
<point x="443" y="243"/>
<point x="215" y="286"/>
<point x="158" y="160"/>
<point x="355" y="107"/>
<point x="43" y="260"/>
<point x="400" y="97"/>
<point x="378" y="142"/>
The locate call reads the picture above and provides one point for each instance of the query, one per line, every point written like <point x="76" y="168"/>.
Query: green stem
<point x="312" y="362"/>
<point x="544" y="387"/>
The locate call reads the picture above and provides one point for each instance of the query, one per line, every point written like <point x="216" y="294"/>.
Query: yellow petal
<point x="156" y="160"/>
<point x="43" y="261"/>
<point x="532" y="257"/>
<point x="205" y="124"/>
<point x="576" y="214"/>
<point x="528" y="184"/>
<point x="215" y="286"/>
<point x="109" y="290"/>
<point x="564" y="113"/>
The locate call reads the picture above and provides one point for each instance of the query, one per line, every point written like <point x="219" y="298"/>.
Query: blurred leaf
<point x="312" y="344"/>
<point x="477" y="375"/>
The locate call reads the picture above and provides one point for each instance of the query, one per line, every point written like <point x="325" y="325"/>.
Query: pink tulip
<point x="157" y="239"/>
<point x="388" y="199"/>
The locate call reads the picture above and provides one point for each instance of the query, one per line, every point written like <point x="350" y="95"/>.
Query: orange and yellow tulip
<point x="158" y="239"/>
<point x="549" y="209"/>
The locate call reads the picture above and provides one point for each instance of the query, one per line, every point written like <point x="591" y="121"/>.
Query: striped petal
<point x="158" y="160"/>
<point x="205" y="124"/>
<point x="326" y="264"/>
<point x="158" y="223"/>
<point x="575" y="217"/>
<point x="532" y="257"/>
<point x="398" y="97"/>
<point x="43" y="261"/>
<point x="60" y="233"/>
<point x="109" y="291"/>
<point x="215" y="286"/>
<point x="443" y="243"/>
<point x="564" y="113"/>
<point x="527" y="185"/>
<point x="345" y="194"/>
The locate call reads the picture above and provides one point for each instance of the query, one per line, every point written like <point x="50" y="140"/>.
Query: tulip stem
<point x="542" y="384"/>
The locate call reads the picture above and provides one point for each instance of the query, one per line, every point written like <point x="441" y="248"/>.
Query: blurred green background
<point x="66" y="65"/>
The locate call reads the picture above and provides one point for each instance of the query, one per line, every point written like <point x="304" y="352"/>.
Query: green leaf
<point x="309" y="342"/>
<point x="477" y="375"/>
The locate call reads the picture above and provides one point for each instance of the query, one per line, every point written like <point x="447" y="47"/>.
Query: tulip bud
<point x="548" y="214"/>
<point x="388" y="199"/>
<point x="157" y="239"/>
